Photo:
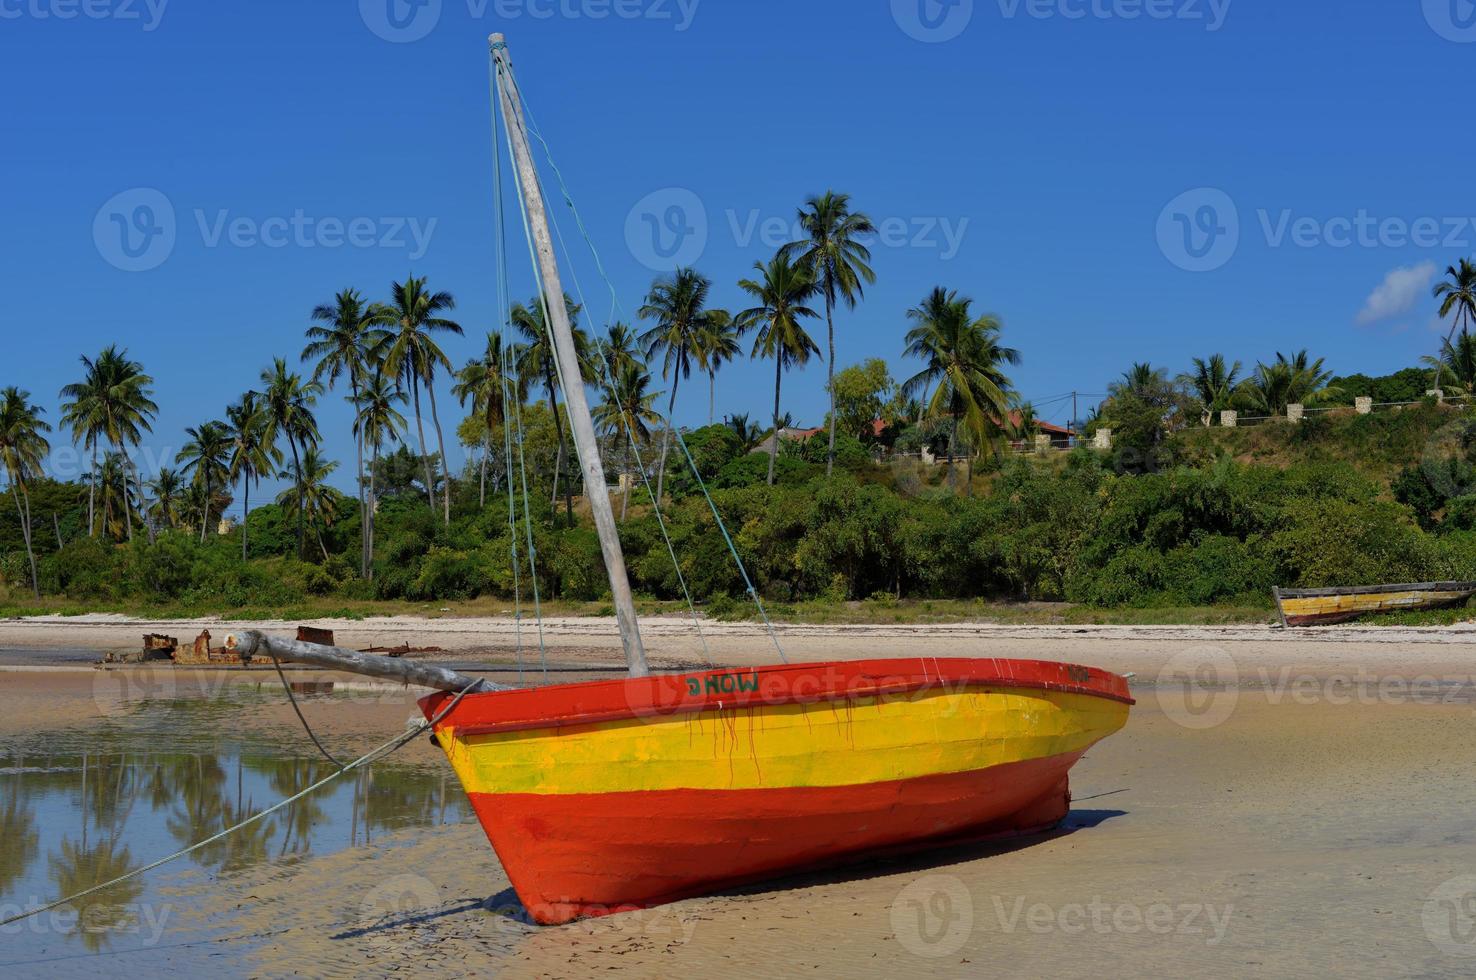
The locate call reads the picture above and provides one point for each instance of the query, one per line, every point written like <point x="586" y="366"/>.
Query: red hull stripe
<point x="721" y="690"/>
<point x="577" y="855"/>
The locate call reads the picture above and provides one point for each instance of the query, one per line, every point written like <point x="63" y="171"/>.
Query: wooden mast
<point x="595" y="488"/>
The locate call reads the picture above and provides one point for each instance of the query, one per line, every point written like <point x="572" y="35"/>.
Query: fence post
<point x="1042" y="443"/>
<point x="1436" y="394"/>
<point x="1294" y="413"/>
<point x="1102" y="439"/>
<point x="1229" y="419"/>
<point x="1364" y="405"/>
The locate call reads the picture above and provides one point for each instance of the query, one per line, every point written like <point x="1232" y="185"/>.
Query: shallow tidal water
<point x="81" y="805"/>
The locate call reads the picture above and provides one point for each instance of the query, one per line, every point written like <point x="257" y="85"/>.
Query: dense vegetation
<point x="1228" y="515"/>
<point x="916" y="489"/>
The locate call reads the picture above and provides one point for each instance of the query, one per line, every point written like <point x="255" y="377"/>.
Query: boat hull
<point x="605" y="797"/>
<point x="1324" y="607"/>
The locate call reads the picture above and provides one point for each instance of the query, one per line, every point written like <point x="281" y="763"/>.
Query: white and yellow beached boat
<point x="1319" y="607"/>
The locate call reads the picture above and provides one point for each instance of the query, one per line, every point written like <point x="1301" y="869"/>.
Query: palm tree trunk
<point x="430" y="386"/>
<point x="559" y="459"/>
<point x="553" y="406"/>
<point x="372" y="466"/>
<point x="297" y="478"/>
<point x="676" y="382"/>
<point x="711" y="396"/>
<point x="482" y="490"/>
<point x="359" y="471"/>
<point x="774" y="449"/>
<point x="246" y="513"/>
<point x="18" y="489"/>
<point x="92" y="495"/>
<point x="830" y="381"/>
<point x="127" y="504"/>
<point x="205" y="521"/>
<point x="430" y="483"/>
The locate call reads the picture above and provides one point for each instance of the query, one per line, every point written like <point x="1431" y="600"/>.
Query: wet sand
<point x="1288" y="803"/>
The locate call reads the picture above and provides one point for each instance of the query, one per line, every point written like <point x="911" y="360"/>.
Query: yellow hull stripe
<point x="840" y="743"/>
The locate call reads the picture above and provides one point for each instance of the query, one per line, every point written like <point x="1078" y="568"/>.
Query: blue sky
<point x="1119" y="180"/>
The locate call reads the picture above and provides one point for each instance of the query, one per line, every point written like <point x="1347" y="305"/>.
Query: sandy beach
<point x="1293" y="803"/>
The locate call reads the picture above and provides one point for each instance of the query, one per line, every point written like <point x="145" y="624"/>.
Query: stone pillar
<point x="1229" y="418"/>
<point x="1102" y="439"/>
<point x="1042" y="442"/>
<point x="927" y="457"/>
<point x="1364" y="405"/>
<point x="1436" y="394"/>
<point x="1294" y="413"/>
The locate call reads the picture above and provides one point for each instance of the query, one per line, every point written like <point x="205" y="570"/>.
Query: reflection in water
<point x="97" y="813"/>
<point x="77" y="867"/>
<point x="17" y="835"/>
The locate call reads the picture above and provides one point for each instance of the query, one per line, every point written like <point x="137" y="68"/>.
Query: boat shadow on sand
<point x="506" y="905"/>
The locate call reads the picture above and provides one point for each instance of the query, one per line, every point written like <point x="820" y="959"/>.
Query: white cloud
<point x="1397" y="294"/>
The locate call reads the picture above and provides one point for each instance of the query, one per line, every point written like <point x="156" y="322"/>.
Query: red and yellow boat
<point x="614" y="795"/>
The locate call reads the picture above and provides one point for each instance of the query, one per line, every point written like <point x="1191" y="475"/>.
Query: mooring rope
<point x="305" y="726"/>
<point x="375" y="755"/>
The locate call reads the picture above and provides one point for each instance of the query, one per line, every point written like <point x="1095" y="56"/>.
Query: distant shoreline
<point x="675" y="644"/>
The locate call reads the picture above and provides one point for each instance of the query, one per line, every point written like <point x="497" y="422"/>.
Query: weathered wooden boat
<point x="619" y="794"/>
<point x="607" y="796"/>
<point x="1319" y="607"/>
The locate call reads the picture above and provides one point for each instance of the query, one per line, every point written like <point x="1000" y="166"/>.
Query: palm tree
<point x="287" y="402"/>
<point x="113" y="402"/>
<point x="619" y="348"/>
<point x="167" y="491"/>
<point x="23" y="446"/>
<point x="678" y="304"/>
<point x="377" y="420"/>
<point x="83" y="415"/>
<point x="1457" y="295"/>
<point x="539" y="360"/>
<point x="1023" y="423"/>
<point x="487" y="383"/>
<point x="748" y="433"/>
<point x="1459" y="359"/>
<point x="839" y="264"/>
<point x="1295" y="380"/>
<point x="313" y="499"/>
<point x="207" y="456"/>
<point x="1140" y="380"/>
<point x="781" y="296"/>
<point x="253" y="455"/>
<point x="1214" y="382"/>
<point x="116" y="491"/>
<point x="627" y="413"/>
<point x="413" y="316"/>
<point x="716" y="346"/>
<point x="344" y="339"/>
<point x="962" y="355"/>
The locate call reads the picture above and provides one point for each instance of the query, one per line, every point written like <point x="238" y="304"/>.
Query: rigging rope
<point x="517" y="401"/>
<point x="605" y="377"/>
<point x="671" y="424"/>
<point x="375" y="755"/>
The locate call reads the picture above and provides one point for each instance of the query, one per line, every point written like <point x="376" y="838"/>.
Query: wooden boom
<point x="252" y="642"/>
